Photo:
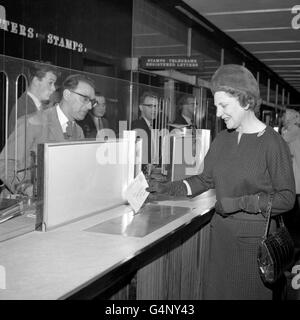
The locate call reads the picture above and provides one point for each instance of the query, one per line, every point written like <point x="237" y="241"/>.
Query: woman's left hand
<point x="248" y="203"/>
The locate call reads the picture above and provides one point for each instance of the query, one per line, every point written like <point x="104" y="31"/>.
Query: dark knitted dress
<point x="258" y="163"/>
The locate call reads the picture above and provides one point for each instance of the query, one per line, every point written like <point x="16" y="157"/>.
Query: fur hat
<point x="236" y="77"/>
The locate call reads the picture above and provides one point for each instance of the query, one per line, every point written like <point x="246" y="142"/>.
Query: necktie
<point x="69" y="131"/>
<point x="100" y="124"/>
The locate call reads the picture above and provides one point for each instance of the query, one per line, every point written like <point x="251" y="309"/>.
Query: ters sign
<point x="170" y="62"/>
<point x="31" y="33"/>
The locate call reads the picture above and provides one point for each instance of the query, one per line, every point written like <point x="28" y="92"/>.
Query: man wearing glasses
<point x="95" y="121"/>
<point x="146" y="125"/>
<point x="55" y="124"/>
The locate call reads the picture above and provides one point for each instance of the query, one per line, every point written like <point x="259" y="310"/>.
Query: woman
<point x="245" y="164"/>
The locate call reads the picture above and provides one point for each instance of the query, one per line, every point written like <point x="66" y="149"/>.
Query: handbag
<point x="276" y="250"/>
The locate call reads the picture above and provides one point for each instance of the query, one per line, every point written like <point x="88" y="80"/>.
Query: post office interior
<point x="77" y="227"/>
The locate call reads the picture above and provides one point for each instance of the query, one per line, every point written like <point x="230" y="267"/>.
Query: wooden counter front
<point x="70" y="262"/>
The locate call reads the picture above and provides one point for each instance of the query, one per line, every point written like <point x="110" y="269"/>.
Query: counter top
<point x="59" y="263"/>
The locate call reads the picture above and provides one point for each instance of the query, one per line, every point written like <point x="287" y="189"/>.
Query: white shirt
<point x="63" y="120"/>
<point x="148" y="122"/>
<point x="36" y="101"/>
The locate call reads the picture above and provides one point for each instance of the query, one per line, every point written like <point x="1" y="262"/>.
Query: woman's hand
<point x="175" y="188"/>
<point x="250" y="203"/>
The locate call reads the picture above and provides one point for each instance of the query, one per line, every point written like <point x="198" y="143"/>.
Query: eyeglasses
<point x="87" y="99"/>
<point x="150" y="105"/>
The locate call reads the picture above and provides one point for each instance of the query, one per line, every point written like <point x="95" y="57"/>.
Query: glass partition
<point x="19" y="162"/>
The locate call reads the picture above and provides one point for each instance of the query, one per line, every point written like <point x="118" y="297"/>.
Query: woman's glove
<point x="176" y="188"/>
<point x="251" y="204"/>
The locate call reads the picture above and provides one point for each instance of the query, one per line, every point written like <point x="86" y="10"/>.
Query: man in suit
<point x="55" y="124"/>
<point x="41" y="79"/>
<point x="95" y="120"/>
<point x="145" y="125"/>
<point x="186" y="110"/>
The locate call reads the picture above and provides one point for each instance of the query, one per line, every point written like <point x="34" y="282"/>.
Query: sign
<point x="170" y="62"/>
<point x="30" y="33"/>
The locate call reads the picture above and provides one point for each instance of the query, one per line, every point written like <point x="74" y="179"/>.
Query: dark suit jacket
<point x="88" y="126"/>
<point x="40" y="127"/>
<point x="180" y="119"/>
<point x="26" y="106"/>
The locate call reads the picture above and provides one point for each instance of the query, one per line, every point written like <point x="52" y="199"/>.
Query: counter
<point x="73" y="262"/>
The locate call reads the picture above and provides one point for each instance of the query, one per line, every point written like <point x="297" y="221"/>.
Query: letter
<point x="153" y="309"/>
<point x="13" y="27"/>
<point x="56" y="38"/>
<point x="30" y="33"/>
<point x="122" y="128"/>
<point x="50" y="38"/>
<point x="68" y="44"/>
<point x="126" y="310"/>
<point x="165" y="146"/>
<point x="4" y="24"/>
<point x="2" y="13"/>
<point x="135" y="310"/>
<point x="142" y="134"/>
<point x="22" y="31"/>
<point x="61" y="43"/>
<point x="107" y="310"/>
<point x="80" y="47"/>
<point x="75" y="45"/>
<point x="295" y="283"/>
<point x="296" y="18"/>
<point x="177" y="308"/>
<point x="169" y="309"/>
<point x="2" y="277"/>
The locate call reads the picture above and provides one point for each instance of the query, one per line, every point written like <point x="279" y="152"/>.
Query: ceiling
<point x="266" y="28"/>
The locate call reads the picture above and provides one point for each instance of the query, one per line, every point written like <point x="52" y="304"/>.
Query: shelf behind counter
<point x="84" y="260"/>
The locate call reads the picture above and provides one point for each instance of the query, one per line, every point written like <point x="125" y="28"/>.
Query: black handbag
<point x="276" y="250"/>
